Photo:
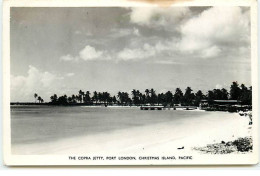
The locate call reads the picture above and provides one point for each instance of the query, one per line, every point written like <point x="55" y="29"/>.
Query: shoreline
<point x="162" y="138"/>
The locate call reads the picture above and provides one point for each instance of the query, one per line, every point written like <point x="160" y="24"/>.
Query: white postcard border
<point x="17" y="160"/>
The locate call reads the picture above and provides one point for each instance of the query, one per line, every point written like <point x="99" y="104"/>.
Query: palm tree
<point x="100" y="97"/>
<point x="126" y="98"/>
<point x="139" y="96"/>
<point x="246" y="95"/>
<point x="178" y="96"/>
<point x="198" y="97"/>
<point x="188" y="95"/>
<point x="81" y="95"/>
<point x="235" y="91"/>
<point x="65" y="98"/>
<point x="153" y="96"/>
<point x="224" y="94"/>
<point x="147" y="96"/>
<point x="54" y="98"/>
<point x="114" y="99"/>
<point x="210" y="96"/>
<point x="106" y="97"/>
<point x="69" y="99"/>
<point x="217" y="94"/>
<point x="35" y="96"/>
<point x="73" y="98"/>
<point x="95" y="96"/>
<point x="78" y="98"/>
<point x="143" y="98"/>
<point x="168" y="97"/>
<point x="161" y="98"/>
<point x="147" y="92"/>
<point x="42" y="100"/>
<point x="39" y="99"/>
<point x="86" y="98"/>
<point x="134" y="96"/>
<point x="120" y="97"/>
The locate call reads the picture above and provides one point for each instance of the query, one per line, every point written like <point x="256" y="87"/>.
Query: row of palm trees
<point x="149" y="96"/>
<point x="36" y="97"/>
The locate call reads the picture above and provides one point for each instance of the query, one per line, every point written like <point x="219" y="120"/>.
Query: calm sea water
<point x="33" y="124"/>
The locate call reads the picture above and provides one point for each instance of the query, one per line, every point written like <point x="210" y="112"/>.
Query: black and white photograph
<point x="130" y="85"/>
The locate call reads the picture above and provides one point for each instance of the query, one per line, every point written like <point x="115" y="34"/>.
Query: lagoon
<point x="58" y="129"/>
<point x="31" y="124"/>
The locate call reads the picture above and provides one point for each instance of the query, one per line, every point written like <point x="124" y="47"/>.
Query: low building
<point x="220" y="105"/>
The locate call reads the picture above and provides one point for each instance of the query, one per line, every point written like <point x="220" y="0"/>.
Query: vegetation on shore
<point x="242" y="145"/>
<point x="38" y="98"/>
<point x="149" y="96"/>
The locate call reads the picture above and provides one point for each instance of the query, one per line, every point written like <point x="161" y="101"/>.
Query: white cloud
<point x="137" y="53"/>
<point x="90" y="53"/>
<point x="214" y="28"/>
<point x="210" y="52"/>
<point x="78" y="32"/>
<point x="215" y="31"/>
<point x="36" y="81"/>
<point x="155" y="16"/>
<point x="67" y="58"/>
<point x="86" y="54"/>
<point x="70" y="74"/>
<point x="144" y="51"/>
<point x="123" y="32"/>
<point x="166" y="62"/>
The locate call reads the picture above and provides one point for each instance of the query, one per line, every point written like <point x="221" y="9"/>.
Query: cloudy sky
<point x="63" y="50"/>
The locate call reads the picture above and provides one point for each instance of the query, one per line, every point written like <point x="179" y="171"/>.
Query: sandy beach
<point x="160" y="138"/>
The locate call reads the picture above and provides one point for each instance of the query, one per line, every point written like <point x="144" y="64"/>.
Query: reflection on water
<point x="30" y="124"/>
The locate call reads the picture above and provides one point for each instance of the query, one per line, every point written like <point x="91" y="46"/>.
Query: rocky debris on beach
<point x="241" y="145"/>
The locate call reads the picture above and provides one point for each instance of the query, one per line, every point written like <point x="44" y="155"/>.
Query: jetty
<point x="167" y="107"/>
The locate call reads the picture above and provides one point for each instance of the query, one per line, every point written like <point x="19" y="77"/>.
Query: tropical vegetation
<point x="38" y="98"/>
<point x="149" y="96"/>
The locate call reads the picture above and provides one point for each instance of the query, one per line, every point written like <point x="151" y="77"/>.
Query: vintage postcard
<point x="130" y="82"/>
